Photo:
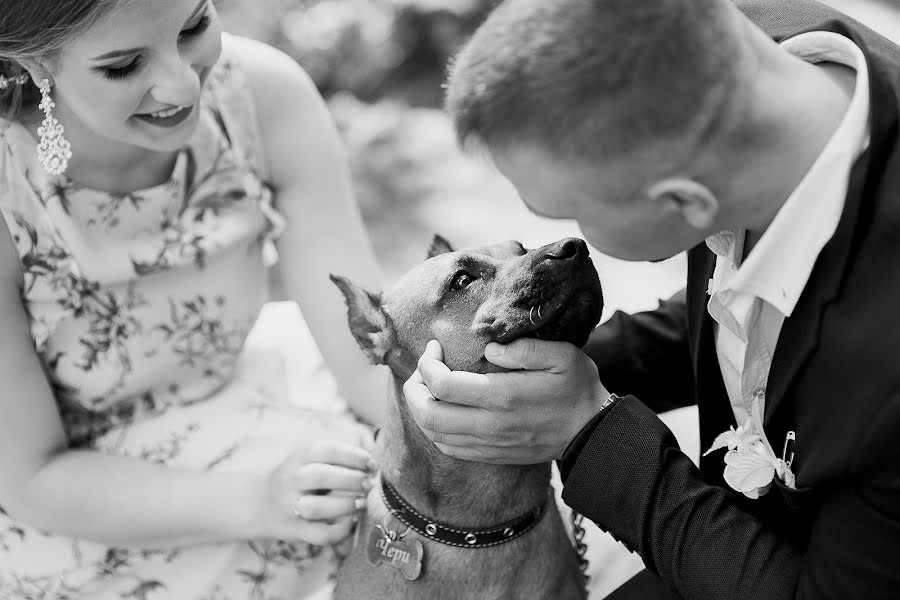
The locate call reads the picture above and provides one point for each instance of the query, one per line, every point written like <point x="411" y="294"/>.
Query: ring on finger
<point x="359" y="503"/>
<point x="296" y="510"/>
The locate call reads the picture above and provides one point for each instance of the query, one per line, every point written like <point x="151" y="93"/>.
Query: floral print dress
<point x="139" y="306"/>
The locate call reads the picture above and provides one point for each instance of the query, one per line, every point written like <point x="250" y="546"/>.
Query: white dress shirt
<point x="751" y="296"/>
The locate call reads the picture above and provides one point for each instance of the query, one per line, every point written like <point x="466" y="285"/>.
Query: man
<point x="680" y="125"/>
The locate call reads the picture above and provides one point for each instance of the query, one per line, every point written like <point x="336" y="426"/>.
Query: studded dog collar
<point x="455" y="536"/>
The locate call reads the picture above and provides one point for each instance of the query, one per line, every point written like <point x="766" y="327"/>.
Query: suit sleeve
<point x="785" y="18"/>
<point x="647" y="354"/>
<point x="633" y="481"/>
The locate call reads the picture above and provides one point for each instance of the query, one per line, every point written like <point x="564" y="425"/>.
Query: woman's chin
<point x="162" y="139"/>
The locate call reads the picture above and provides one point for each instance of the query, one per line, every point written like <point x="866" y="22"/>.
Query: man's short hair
<point x="593" y="77"/>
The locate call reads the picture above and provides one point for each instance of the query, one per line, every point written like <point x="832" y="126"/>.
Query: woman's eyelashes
<point x="121" y="72"/>
<point x="198" y="29"/>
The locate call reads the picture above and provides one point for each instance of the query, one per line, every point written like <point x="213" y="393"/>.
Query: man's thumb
<point x="434" y="351"/>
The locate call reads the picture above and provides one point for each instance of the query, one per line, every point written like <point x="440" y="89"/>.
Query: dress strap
<point x="232" y="104"/>
<point x="232" y="101"/>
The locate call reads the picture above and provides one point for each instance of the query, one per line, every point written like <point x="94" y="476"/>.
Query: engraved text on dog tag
<point x="400" y="554"/>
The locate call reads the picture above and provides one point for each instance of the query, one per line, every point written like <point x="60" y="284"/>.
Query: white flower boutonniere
<point x="750" y="463"/>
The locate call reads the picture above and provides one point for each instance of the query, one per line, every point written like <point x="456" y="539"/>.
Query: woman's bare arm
<point x="118" y="500"/>
<point x="325" y="232"/>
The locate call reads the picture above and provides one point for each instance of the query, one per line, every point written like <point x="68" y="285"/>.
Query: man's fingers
<point x="482" y="454"/>
<point x="532" y="354"/>
<point x="464" y="441"/>
<point x="458" y="387"/>
<point x="436" y="417"/>
<point x="433" y="351"/>
<point x="430" y="369"/>
<point x="434" y="379"/>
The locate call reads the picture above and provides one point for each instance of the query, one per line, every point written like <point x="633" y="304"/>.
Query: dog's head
<point x="466" y="299"/>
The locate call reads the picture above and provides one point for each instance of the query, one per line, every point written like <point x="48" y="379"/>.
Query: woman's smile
<point x="134" y="83"/>
<point x="173" y="115"/>
<point x="168" y="117"/>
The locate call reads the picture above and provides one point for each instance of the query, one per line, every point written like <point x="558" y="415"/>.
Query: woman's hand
<point x="316" y="494"/>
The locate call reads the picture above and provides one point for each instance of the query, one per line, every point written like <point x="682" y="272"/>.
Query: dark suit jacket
<point x="835" y="381"/>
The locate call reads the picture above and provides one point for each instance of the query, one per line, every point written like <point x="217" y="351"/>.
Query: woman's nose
<point x="178" y="83"/>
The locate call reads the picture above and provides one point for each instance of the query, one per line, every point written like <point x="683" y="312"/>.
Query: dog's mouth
<point x="563" y="317"/>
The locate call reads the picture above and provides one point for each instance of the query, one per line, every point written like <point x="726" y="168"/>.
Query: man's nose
<point x="567" y="249"/>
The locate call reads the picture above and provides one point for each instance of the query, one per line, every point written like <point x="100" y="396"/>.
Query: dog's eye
<point x="461" y="281"/>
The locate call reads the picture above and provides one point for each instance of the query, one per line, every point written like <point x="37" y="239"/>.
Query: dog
<point x="458" y="529"/>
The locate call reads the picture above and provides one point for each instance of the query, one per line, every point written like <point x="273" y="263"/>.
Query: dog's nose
<point x="566" y="249"/>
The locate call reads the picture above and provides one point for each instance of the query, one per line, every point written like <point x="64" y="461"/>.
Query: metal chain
<point x="578" y="533"/>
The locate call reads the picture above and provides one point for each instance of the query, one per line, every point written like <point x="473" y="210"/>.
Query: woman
<point x="148" y="166"/>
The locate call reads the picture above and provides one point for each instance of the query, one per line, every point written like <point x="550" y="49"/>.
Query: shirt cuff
<point x="570" y="456"/>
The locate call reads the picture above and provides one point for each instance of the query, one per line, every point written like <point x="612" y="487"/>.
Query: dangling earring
<point x="54" y="151"/>
<point x="5" y="82"/>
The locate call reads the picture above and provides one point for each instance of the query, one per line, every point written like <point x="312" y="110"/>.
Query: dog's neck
<point x="449" y="490"/>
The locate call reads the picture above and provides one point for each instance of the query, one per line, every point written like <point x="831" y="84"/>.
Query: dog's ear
<point x="368" y="322"/>
<point x="439" y="246"/>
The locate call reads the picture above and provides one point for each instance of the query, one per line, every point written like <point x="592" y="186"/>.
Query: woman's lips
<point x="179" y="117"/>
<point x="169" y="119"/>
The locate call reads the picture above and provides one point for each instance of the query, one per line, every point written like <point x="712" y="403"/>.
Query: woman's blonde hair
<point x="33" y="30"/>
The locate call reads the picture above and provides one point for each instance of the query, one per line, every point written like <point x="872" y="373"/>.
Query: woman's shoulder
<point x="277" y="83"/>
<point x="266" y="66"/>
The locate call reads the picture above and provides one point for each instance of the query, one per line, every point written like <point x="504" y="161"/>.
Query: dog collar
<point x="454" y="536"/>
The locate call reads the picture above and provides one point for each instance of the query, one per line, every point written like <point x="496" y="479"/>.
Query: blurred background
<point x="380" y="65"/>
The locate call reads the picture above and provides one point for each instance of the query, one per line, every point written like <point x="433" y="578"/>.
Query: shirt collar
<point x="780" y="264"/>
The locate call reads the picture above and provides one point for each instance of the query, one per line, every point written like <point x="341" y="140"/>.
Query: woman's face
<point x="135" y="76"/>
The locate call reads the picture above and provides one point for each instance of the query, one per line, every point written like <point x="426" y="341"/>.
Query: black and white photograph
<point x="449" y="299"/>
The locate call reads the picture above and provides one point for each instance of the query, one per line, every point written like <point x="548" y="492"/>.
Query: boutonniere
<point x="750" y="463"/>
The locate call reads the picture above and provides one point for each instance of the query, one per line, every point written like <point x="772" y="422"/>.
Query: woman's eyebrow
<point x="118" y="53"/>
<point x="129" y="51"/>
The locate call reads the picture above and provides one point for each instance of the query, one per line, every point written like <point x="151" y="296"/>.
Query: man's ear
<point x="368" y="322"/>
<point x="695" y="202"/>
<point x="439" y="246"/>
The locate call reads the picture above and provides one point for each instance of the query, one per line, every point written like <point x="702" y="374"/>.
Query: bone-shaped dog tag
<point x="404" y="555"/>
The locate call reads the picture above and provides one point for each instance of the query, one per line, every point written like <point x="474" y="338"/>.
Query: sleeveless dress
<point x="140" y="306"/>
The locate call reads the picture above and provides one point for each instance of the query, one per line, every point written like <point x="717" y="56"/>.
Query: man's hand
<point x="525" y="416"/>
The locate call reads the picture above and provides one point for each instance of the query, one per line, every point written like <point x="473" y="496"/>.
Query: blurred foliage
<point x="380" y="64"/>
<point x="373" y="49"/>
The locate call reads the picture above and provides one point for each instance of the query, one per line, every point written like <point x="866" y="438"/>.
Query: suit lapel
<point x="800" y="332"/>
<point x="712" y="399"/>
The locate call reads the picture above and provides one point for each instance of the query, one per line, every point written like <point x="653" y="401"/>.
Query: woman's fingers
<point x="327" y="508"/>
<point x="339" y="453"/>
<point x="320" y="476"/>
<point x="323" y="533"/>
